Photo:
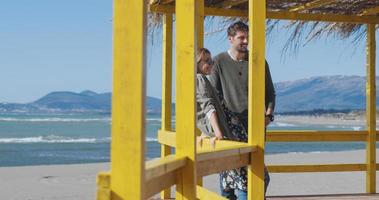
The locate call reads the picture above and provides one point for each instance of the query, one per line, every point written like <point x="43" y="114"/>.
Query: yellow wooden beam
<point x="226" y="149"/>
<point x="128" y="100"/>
<point x="371" y="110"/>
<point x="103" y="182"/>
<point x="167" y="138"/>
<point x="203" y="193"/>
<point x="160" y="166"/>
<point x="200" y="25"/>
<point x="370" y="11"/>
<point x="281" y="15"/>
<point x="208" y="166"/>
<point x="316" y="168"/>
<point x="315" y="136"/>
<point x="167" y="72"/>
<point x="166" y="86"/>
<point x="160" y="183"/>
<point x="311" y="5"/>
<point x="231" y="3"/>
<point x="186" y="44"/>
<point x="256" y="100"/>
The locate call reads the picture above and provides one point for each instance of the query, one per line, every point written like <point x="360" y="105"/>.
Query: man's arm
<point x="270" y="95"/>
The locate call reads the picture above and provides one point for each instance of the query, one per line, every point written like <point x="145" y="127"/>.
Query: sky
<point x="66" y="45"/>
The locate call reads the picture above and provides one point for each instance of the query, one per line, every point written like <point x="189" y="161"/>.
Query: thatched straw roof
<point x="310" y="19"/>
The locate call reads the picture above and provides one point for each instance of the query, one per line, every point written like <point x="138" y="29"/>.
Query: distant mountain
<point x="68" y="102"/>
<point x="316" y="93"/>
<point x="325" y="92"/>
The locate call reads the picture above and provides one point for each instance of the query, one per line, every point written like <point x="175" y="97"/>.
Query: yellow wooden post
<point x="186" y="12"/>
<point x="166" y="87"/>
<point x="257" y="16"/>
<point x="128" y="100"/>
<point x="200" y="44"/>
<point x="200" y="24"/>
<point x="371" y="111"/>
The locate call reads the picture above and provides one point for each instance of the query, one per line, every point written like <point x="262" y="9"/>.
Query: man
<point x="230" y="78"/>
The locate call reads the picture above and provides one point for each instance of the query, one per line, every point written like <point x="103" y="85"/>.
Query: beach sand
<point x="78" y="181"/>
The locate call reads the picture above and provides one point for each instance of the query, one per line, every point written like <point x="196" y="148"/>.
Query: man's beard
<point x="242" y="49"/>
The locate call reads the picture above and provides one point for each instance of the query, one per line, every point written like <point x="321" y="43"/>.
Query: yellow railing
<point x="133" y="178"/>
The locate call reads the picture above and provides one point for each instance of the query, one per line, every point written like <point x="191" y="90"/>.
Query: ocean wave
<point x="54" y="119"/>
<point x="52" y="139"/>
<point x="59" y="139"/>
<point x="281" y="124"/>
<point x="149" y="139"/>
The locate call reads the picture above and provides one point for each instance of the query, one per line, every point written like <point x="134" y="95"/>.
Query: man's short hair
<point x="237" y="26"/>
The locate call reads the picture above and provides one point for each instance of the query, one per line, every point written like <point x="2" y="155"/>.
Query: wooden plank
<point x="167" y="138"/>
<point x="128" y="100"/>
<point x="210" y="166"/>
<point x="166" y="87"/>
<point x="203" y="193"/>
<point x="160" y="183"/>
<point x="370" y="11"/>
<point x="160" y="166"/>
<point x="311" y="5"/>
<point x="316" y="168"/>
<point x="371" y="111"/>
<point x="256" y="101"/>
<point x="186" y="25"/>
<point x="103" y="182"/>
<point x="281" y="15"/>
<point x="221" y="152"/>
<point x="316" y="136"/>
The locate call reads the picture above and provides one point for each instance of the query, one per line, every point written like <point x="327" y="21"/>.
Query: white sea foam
<point x="52" y="139"/>
<point x="281" y="124"/>
<point x="149" y="139"/>
<point x="59" y="139"/>
<point x="54" y="119"/>
<point x="356" y="128"/>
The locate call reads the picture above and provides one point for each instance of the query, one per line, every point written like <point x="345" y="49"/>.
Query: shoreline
<point x="78" y="181"/>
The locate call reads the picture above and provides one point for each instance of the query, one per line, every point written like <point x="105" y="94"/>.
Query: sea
<point x="47" y="139"/>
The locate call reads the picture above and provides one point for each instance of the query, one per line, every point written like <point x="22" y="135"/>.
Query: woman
<point x="215" y="120"/>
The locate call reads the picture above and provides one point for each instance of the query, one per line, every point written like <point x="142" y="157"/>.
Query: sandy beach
<point x="78" y="181"/>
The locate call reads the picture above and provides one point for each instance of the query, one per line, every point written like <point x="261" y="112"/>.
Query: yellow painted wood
<point x="217" y="162"/>
<point x="315" y="136"/>
<point x="370" y="11"/>
<point x="160" y="166"/>
<point x="222" y="148"/>
<point x="167" y="72"/>
<point x="167" y="138"/>
<point x="158" y="184"/>
<point x="200" y="24"/>
<point x="128" y="100"/>
<point x="316" y="168"/>
<point x="256" y="130"/>
<point x="284" y="15"/>
<point x="203" y="193"/>
<point x="371" y="110"/>
<point x="311" y="5"/>
<point x="103" y="182"/>
<point x="186" y="44"/>
<point x="166" y="87"/>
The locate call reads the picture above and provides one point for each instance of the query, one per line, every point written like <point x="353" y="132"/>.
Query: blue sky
<point x="67" y="46"/>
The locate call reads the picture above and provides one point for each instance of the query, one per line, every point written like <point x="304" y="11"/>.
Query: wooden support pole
<point x="166" y="87"/>
<point x="186" y="44"/>
<point x="257" y="27"/>
<point x="371" y="111"/>
<point x="128" y="100"/>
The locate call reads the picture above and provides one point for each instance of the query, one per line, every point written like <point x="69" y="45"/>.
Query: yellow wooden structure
<point x="133" y="178"/>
